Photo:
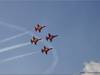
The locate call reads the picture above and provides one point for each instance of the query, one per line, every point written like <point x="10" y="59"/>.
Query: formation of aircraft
<point x="34" y="40"/>
<point x="38" y="28"/>
<point x="50" y="37"/>
<point x="45" y="50"/>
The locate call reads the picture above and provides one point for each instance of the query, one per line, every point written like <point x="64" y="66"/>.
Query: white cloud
<point x="91" y="67"/>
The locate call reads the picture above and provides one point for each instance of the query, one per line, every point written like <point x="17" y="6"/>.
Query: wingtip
<point x="44" y="26"/>
<point x="51" y="48"/>
<point x="50" y="40"/>
<point x="57" y="35"/>
<point x="46" y="38"/>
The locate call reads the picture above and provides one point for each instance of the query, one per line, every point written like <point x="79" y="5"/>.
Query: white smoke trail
<point x="55" y="60"/>
<point x="13" y="37"/>
<point x="17" y="28"/>
<point x="14" y="47"/>
<point x="12" y="26"/>
<point x="17" y="57"/>
<point x="54" y="63"/>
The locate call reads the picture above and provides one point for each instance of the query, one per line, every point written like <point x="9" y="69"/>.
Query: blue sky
<point x="76" y="23"/>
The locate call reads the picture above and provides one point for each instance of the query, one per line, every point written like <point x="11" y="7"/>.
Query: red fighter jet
<point x="38" y="28"/>
<point x="50" y="37"/>
<point x="46" y="49"/>
<point x="34" y="40"/>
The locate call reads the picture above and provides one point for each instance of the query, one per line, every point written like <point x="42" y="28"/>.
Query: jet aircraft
<point x="38" y="28"/>
<point x="34" y="40"/>
<point x="50" y="37"/>
<point x="45" y="50"/>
